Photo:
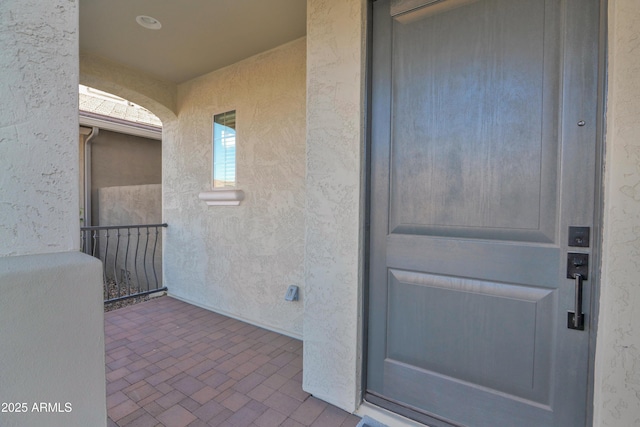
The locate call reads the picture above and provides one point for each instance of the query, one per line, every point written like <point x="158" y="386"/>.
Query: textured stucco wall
<point x="335" y="94"/>
<point x="617" y="381"/>
<point x="131" y="204"/>
<point x="51" y="321"/>
<point x="239" y="260"/>
<point x="118" y="159"/>
<point x="38" y="132"/>
<point x="148" y="91"/>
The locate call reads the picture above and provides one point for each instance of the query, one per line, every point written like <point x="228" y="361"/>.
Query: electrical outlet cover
<point x="292" y="293"/>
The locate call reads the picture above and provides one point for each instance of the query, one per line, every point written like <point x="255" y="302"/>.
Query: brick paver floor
<point x="173" y="364"/>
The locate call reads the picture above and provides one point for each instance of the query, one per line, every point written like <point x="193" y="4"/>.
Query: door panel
<point x="475" y="161"/>
<point x="457" y="317"/>
<point x="478" y="167"/>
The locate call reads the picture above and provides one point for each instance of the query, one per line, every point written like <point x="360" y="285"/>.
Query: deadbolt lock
<point x="579" y="237"/>
<point x="577" y="263"/>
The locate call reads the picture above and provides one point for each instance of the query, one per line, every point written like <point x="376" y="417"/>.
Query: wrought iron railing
<point x="131" y="258"/>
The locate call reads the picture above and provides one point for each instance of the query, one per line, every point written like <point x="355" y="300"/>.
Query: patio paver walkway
<point x="173" y="364"/>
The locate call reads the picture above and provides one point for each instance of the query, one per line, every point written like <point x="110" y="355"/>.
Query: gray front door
<point x="483" y="154"/>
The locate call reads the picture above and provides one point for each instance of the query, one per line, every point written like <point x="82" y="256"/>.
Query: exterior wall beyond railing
<point x="131" y="258"/>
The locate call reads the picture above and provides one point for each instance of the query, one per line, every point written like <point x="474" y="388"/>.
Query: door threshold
<point x="408" y="412"/>
<point x="385" y="416"/>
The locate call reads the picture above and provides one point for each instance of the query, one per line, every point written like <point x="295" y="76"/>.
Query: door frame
<point x="598" y="214"/>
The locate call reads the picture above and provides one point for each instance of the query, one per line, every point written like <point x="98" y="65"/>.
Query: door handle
<point x="578" y="270"/>
<point x="575" y="320"/>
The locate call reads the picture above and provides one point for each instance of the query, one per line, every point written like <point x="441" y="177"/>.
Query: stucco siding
<point x="240" y="260"/>
<point x="51" y="319"/>
<point x="130" y="204"/>
<point x="119" y="159"/>
<point x="617" y="381"/>
<point x="335" y="131"/>
<point x="38" y="127"/>
<point x="151" y="92"/>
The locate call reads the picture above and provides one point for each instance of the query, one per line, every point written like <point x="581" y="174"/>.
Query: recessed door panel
<point x="473" y="146"/>
<point x="494" y="335"/>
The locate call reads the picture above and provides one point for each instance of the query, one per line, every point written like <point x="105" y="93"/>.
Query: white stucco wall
<point x="156" y="95"/>
<point x="38" y="135"/>
<point x="239" y="260"/>
<point x="130" y="204"/>
<point x="51" y="321"/>
<point x="334" y="209"/>
<point x="617" y="379"/>
<point x="52" y="340"/>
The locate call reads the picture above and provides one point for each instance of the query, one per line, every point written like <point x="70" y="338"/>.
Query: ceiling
<point x="197" y="36"/>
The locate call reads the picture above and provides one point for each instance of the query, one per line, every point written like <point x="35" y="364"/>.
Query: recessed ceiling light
<point x="148" y="22"/>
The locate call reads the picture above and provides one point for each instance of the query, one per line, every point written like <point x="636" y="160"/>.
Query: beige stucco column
<point x="51" y="313"/>
<point x="334" y="209"/>
<point x="617" y="370"/>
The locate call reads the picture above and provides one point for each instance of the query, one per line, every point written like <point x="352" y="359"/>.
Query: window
<point x="224" y="150"/>
<point x="224" y="191"/>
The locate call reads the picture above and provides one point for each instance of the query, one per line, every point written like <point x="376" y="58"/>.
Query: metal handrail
<point x="127" y="272"/>
<point x="113" y="227"/>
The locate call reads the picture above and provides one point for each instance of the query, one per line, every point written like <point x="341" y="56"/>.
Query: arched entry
<point x="121" y="177"/>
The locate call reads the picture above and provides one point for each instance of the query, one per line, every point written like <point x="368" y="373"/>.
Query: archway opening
<point x="120" y="147"/>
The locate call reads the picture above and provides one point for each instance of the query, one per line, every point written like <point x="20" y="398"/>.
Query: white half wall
<point x="617" y="371"/>
<point x="52" y="352"/>
<point x="334" y="209"/>
<point x="239" y="260"/>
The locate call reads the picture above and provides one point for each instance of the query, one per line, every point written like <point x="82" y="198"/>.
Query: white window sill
<point x="222" y="197"/>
